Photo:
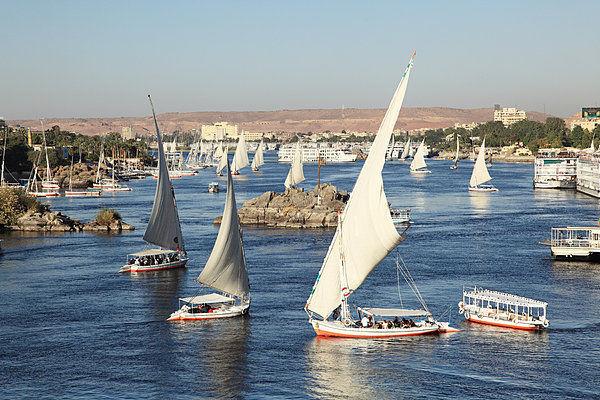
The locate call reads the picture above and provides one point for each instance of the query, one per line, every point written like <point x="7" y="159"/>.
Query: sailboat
<point x="108" y="184"/>
<point x="33" y="187"/>
<point x="418" y="165"/>
<point x="480" y="174"/>
<point x="390" y="150"/>
<point x="79" y="193"/>
<point x="258" y="160"/>
<point x="164" y="229"/>
<point x="365" y="235"/>
<point x="225" y="271"/>
<point x="406" y="150"/>
<point x="240" y="158"/>
<point x="296" y="173"/>
<point x="455" y="164"/>
<point x="222" y="161"/>
<point x="48" y="182"/>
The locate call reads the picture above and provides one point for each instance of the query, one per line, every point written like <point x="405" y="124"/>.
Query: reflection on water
<point x="162" y="288"/>
<point x="480" y="201"/>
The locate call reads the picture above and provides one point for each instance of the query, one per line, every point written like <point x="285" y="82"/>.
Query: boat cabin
<point x="153" y="257"/>
<point x="388" y="318"/>
<point x="207" y="303"/>
<point x="213" y="187"/>
<point x="576" y="242"/>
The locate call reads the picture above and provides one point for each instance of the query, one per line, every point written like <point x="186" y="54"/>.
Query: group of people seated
<point x="154" y="259"/>
<point x="202" y="308"/>
<point x="367" y="321"/>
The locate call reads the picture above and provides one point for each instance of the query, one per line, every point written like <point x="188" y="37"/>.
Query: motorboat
<point x="213" y="187"/>
<point x="154" y="260"/>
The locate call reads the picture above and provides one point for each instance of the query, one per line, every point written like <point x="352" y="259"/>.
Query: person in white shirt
<point x="365" y="321"/>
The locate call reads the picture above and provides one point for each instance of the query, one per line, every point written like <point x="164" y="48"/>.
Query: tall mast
<point x="3" y="158"/>
<point x="48" y="172"/>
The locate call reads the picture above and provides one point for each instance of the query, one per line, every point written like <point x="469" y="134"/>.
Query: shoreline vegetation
<point x="294" y="208"/>
<point x="21" y="212"/>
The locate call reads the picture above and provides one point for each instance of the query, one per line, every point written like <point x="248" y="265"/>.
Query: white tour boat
<point x="418" y="165"/>
<point x="224" y="271"/>
<point x="365" y="235"/>
<point x="576" y="243"/>
<point x="506" y="310"/>
<point x="164" y="229"/>
<point x="213" y="187"/>
<point x="296" y="172"/>
<point x="480" y="175"/>
<point x="400" y="216"/>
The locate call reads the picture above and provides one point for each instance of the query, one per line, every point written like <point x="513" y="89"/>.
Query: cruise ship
<point x="311" y="152"/>
<point x="555" y="169"/>
<point x="588" y="173"/>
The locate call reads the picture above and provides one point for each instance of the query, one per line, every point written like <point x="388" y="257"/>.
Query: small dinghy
<point x="224" y="271"/>
<point x="506" y="310"/>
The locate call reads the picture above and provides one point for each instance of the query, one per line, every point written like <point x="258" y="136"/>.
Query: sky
<point x="100" y="58"/>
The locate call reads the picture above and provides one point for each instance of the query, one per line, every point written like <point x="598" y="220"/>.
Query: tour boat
<point x="213" y="187"/>
<point x="418" y="165"/>
<point x="575" y="243"/>
<point x="225" y="271"/>
<point x="258" y="160"/>
<point x="296" y="173"/>
<point x="240" y="158"/>
<point x="406" y="150"/>
<point x="455" y="164"/>
<point x="506" y="310"/>
<point x="400" y="216"/>
<point x="164" y="229"/>
<point x="364" y="236"/>
<point x="480" y="175"/>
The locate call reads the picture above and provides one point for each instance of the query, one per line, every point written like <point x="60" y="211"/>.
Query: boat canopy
<point x="395" y="312"/>
<point x="213" y="298"/>
<point x="504" y="298"/>
<point x="152" y="252"/>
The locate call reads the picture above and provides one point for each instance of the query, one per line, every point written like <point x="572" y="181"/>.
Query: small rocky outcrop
<point x="294" y="208"/>
<point x="46" y="220"/>
<point x="84" y="175"/>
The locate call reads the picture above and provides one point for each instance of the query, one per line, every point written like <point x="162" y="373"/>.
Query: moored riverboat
<point x="576" y="243"/>
<point x="506" y="310"/>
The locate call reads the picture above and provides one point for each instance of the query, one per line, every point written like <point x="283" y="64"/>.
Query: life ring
<point x="479" y="315"/>
<point x="467" y="315"/>
<point x="461" y="310"/>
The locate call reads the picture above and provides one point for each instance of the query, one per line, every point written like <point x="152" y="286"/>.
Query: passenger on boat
<point x="365" y="322"/>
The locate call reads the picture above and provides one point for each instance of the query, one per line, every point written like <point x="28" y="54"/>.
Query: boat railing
<point x="400" y="215"/>
<point x="574" y="237"/>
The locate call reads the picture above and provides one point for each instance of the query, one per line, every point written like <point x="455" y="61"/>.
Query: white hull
<point x="420" y="171"/>
<point x="45" y="194"/>
<point x="482" y="189"/>
<point x="50" y="185"/>
<point x="151" y="268"/>
<point x="83" y="193"/>
<point x="506" y="323"/>
<point x="547" y="184"/>
<point x="337" y="329"/>
<point x="223" y="312"/>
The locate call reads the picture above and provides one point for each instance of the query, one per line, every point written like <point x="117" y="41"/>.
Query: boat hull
<point x="483" y="190"/>
<point x="420" y="171"/>
<point x="230" y="312"/>
<point x="134" y="269"/>
<point x="81" y="193"/>
<point x="519" y="325"/>
<point x="338" y="330"/>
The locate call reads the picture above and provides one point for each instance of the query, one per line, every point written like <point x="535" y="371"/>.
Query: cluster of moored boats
<point x="366" y="233"/>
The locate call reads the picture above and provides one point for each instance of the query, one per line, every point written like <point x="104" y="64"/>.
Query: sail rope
<point x="401" y="267"/>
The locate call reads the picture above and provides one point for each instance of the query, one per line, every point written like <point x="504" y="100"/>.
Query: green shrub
<point x="14" y="202"/>
<point x="107" y="216"/>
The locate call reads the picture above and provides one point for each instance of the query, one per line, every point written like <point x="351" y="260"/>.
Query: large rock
<point x="50" y="221"/>
<point x="294" y="208"/>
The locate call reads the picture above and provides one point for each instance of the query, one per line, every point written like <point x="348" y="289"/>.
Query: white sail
<point x="457" y="150"/>
<point x="225" y="269"/>
<point x="218" y="152"/>
<point x="480" y="173"/>
<point x="296" y="173"/>
<point x="592" y="148"/>
<point x="390" y="152"/>
<point x="222" y="161"/>
<point x="368" y="233"/>
<point x="258" y="159"/>
<point x="240" y="159"/>
<point x="418" y="161"/>
<point x="406" y="150"/>
<point x="163" y="228"/>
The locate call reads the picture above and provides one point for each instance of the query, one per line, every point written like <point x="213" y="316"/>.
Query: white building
<point x="509" y="116"/>
<point x="219" y="131"/>
<point x="127" y="133"/>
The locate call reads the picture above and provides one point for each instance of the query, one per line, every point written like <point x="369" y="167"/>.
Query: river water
<point x="72" y="327"/>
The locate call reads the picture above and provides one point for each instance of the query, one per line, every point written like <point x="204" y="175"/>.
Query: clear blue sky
<point x="100" y="58"/>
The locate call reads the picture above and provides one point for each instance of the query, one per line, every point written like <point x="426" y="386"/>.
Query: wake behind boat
<point x="224" y="271"/>
<point x="164" y="229"/>
<point x="365" y="235"/>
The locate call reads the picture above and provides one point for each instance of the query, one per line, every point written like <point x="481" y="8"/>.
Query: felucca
<point x="364" y="237"/>
<point x="164" y="229"/>
<point x="406" y="150"/>
<point x="480" y="174"/>
<point x="258" y="160"/>
<point x="296" y="173"/>
<point x="78" y="192"/>
<point x="240" y="158"/>
<point x="455" y="164"/>
<point x="225" y="271"/>
<point x="418" y="165"/>
<point x="222" y="161"/>
<point x="48" y="182"/>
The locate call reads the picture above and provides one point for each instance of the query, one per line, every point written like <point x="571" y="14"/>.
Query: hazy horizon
<point x="68" y="59"/>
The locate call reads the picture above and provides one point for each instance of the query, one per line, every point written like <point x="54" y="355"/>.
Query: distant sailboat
<point x="592" y="147"/>
<point x="258" y="160"/>
<point x="240" y="158"/>
<point x="365" y="235"/>
<point x="79" y="193"/>
<point x="480" y="174"/>
<point x="224" y="271"/>
<point x="455" y="164"/>
<point x="296" y="173"/>
<point x="406" y="150"/>
<point x="418" y="165"/>
<point x="222" y="161"/>
<point x="48" y="182"/>
<point x="390" y="150"/>
<point x="164" y="229"/>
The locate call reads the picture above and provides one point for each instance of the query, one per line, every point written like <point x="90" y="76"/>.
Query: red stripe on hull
<point x="505" y="325"/>
<point x="350" y="336"/>
<point x="156" y="269"/>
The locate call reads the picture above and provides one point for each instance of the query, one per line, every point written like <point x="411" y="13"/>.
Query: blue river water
<point x="72" y="327"/>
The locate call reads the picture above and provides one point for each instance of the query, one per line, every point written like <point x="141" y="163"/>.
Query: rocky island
<point x="294" y="208"/>
<point x="20" y="212"/>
